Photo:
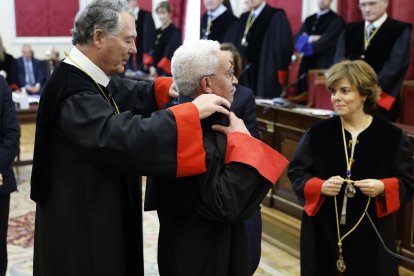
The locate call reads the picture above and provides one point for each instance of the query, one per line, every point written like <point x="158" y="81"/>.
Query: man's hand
<point x="208" y="104"/>
<point x="235" y="125"/>
<point x="314" y="38"/>
<point x="172" y="92"/>
<point x="34" y="89"/>
<point x="1" y="179"/>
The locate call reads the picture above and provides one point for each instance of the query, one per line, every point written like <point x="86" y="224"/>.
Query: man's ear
<point x="98" y="38"/>
<point x="205" y="85"/>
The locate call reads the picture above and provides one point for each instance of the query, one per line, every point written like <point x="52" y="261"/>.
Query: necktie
<point x="370" y="30"/>
<point x="29" y="77"/>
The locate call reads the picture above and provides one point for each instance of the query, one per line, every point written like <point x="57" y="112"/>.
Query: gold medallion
<point x="350" y="190"/>
<point x="340" y="264"/>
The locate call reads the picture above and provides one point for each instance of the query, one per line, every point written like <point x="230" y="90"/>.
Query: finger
<point x="220" y="128"/>
<point x="221" y="109"/>
<point x="222" y="101"/>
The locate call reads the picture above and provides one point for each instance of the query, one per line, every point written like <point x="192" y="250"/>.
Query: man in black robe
<point x="202" y="229"/>
<point x="145" y="27"/>
<point x="264" y="39"/>
<point x="94" y="135"/>
<point x="384" y="43"/>
<point x="218" y="23"/>
<point x="316" y="41"/>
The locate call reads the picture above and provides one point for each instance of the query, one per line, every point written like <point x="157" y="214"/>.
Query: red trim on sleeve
<point x="313" y="196"/>
<point x="282" y="76"/>
<point x="191" y="157"/>
<point x="248" y="150"/>
<point x="147" y="59"/>
<point x="165" y="64"/>
<point x="390" y="201"/>
<point x="14" y="87"/>
<point x="162" y="86"/>
<point x="386" y="101"/>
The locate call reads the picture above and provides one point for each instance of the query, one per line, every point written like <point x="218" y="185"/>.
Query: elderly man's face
<point x="254" y="4"/>
<point x="27" y="51"/>
<point x="115" y="51"/>
<point x="223" y="82"/>
<point x="372" y="9"/>
<point x="212" y="5"/>
<point x="324" y="4"/>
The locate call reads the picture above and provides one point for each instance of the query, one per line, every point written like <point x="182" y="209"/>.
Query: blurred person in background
<point x="168" y="39"/>
<point x="32" y="74"/>
<point x="9" y="147"/>
<point x="8" y="67"/>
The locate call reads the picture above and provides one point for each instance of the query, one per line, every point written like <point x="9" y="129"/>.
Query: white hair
<point x="191" y="62"/>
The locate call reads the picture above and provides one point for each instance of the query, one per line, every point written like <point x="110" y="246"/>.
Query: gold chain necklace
<point x="367" y="40"/>
<point x="340" y="263"/>
<point x="99" y="87"/>
<point x="249" y="23"/>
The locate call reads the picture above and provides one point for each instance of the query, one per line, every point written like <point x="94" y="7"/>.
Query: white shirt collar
<point x="85" y="64"/>
<point x="219" y="11"/>
<point x="257" y="11"/>
<point x="378" y="22"/>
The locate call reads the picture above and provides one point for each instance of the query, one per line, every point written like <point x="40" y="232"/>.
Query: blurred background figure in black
<point x="9" y="147"/>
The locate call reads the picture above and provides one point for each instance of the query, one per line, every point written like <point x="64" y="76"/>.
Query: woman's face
<point x="346" y="99"/>
<point x="164" y="16"/>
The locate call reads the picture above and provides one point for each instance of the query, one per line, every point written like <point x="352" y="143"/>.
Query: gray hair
<point x="99" y="14"/>
<point x="191" y="62"/>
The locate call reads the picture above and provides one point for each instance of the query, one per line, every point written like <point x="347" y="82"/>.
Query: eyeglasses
<point x="368" y="4"/>
<point x="229" y="74"/>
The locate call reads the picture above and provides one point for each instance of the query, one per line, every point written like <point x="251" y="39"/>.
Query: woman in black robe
<point x="168" y="39"/>
<point x="346" y="165"/>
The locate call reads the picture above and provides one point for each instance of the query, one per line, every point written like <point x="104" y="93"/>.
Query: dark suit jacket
<point x="9" y="138"/>
<point x="39" y="71"/>
<point x="244" y="106"/>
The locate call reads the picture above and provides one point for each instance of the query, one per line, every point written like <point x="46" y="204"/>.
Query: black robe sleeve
<point x="329" y="38"/>
<point x="393" y="72"/>
<point x="300" y="168"/>
<point x="275" y="56"/>
<point x="402" y="167"/>
<point x="87" y="121"/>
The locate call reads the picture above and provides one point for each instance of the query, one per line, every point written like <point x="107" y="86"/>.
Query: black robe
<point x="222" y="28"/>
<point x="202" y="229"/>
<point x="329" y="27"/>
<point x="382" y="152"/>
<point x="86" y="164"/>
<point x="268" y="53"/>
<point x="389" y="55"/>
<point x="166" y="42"/>
<point x="145" y="41"/>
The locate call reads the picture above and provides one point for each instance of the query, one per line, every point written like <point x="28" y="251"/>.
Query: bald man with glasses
<point x="384" y="43"/>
